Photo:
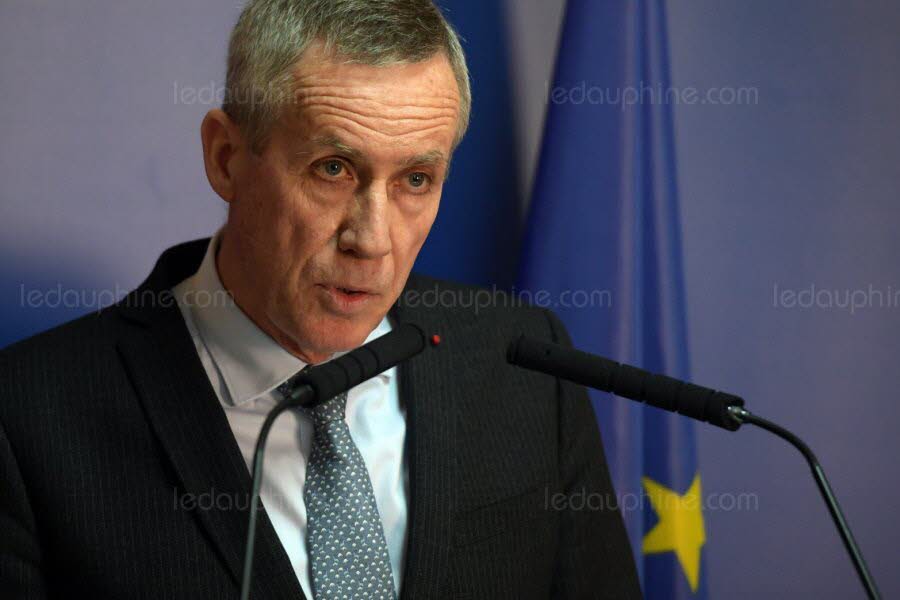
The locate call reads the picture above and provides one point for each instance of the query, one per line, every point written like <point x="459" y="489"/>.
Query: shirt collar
<point x="250" y="362"/>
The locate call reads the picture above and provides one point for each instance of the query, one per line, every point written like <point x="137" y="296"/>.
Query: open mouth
<point x="347" y="298"/>
<point x="349" y="291"/>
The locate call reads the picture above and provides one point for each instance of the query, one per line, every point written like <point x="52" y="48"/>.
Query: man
<point x="126" y="436"/>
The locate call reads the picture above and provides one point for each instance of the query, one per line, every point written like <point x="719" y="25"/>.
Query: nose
<point x="366" y="233"/>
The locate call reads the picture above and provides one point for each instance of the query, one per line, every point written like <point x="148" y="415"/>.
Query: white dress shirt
<point x="245" y="366"/>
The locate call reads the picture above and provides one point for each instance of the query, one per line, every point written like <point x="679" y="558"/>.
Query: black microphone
<point x="705" y="404"/>
<point x="664" y="392"/>
<point x="319" y="384"/>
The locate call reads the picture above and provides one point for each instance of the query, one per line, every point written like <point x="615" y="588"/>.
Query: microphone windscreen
<point x="339" y="375"/>
<point x="697" y="402"/>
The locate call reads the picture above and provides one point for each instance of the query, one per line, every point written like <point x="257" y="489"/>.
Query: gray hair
<point x="271" y="35"/>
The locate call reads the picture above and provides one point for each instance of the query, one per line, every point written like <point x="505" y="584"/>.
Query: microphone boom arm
<point x="703" y="404"/>
<point x="742" y="415"/>
<point x="316" y="385"/>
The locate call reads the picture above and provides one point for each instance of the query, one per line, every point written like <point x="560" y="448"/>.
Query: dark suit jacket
<point x="120" y="477"/>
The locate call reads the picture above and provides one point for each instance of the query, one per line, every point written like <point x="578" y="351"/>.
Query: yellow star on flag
<point x="680" y="528"/>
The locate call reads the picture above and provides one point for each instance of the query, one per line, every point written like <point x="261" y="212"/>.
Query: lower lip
<point x="346" y="302"/>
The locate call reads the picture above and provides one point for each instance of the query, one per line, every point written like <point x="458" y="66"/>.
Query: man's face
<point x="326" y="222"/>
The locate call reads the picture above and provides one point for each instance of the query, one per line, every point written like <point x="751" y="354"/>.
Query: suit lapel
<point x="429" y="397"/>
<point x="194" y="433"/>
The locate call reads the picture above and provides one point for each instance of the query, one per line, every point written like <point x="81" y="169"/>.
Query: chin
<point x="330" y="335"/>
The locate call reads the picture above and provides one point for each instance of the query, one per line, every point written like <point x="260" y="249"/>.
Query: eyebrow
<point x="430" y="158"/>
<point x="332" y="141"/>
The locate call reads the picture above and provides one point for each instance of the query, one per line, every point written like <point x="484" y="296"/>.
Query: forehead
<point x="406" y="104"/>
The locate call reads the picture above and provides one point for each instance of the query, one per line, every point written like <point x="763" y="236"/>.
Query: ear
<point x="222" y="143"/>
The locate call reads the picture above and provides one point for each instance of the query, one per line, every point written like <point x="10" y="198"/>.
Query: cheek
<point x="311" y="221"/>
<point x="410" y="235"/>
<point x="423" y="222"/>
<point x="294" y="212"/>
<point x="260" y="202"/>
<point x="280" y="230"/>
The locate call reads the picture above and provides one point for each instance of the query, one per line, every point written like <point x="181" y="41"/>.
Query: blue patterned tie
<point x="345" y="540"/>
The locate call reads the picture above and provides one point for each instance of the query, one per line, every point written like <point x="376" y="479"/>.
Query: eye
<point x="332" y="167"/>
<point x="418" y="182"/>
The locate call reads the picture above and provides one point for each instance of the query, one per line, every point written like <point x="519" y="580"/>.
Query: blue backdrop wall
<point x="789" y="204"/>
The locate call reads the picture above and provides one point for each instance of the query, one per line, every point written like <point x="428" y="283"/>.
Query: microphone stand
<point x="742" y="415"/>
<point x="318" y="384"/>
<point x="298" y="397"/>
<point x="704" y="404"/>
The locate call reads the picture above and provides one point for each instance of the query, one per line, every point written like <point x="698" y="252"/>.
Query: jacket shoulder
<point x="86" y="328"/>
<point x="43" y="364"/>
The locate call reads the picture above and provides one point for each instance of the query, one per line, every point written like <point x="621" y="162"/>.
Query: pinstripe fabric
<point x="119" y="476"/>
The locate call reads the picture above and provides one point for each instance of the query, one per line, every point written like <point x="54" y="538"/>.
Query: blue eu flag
<point x="603" y="243"/>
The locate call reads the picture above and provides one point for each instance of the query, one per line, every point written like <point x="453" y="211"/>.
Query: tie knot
<point x="329" y="411"/>
<point x="288" y="386"/>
